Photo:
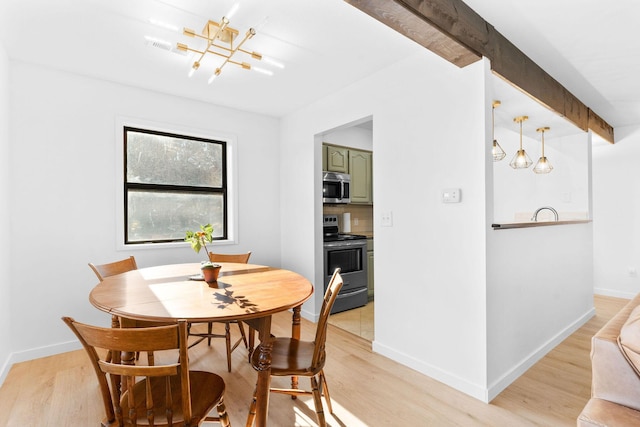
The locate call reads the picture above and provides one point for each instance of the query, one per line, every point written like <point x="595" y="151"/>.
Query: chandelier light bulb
<point x="263" y="71"/>
<point x="274" y="62"/>
<point x="543" y="165"/>
<point x="497" y="152"/>
<point x="213" y="76"/>
<point x="521" y="160"/>
<point x="233" y="11"/>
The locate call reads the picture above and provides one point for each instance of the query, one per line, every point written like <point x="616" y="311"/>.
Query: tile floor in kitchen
<point x="358" y="321"/>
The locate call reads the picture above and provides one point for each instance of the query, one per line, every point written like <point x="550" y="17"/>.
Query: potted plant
<point x="199" y="240"/>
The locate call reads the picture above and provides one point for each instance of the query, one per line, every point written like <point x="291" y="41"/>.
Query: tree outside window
<point x="172" y="183"/>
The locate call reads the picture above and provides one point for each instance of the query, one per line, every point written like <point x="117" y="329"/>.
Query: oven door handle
<point x="351" y="293"/>
<point x="346" y="243"/>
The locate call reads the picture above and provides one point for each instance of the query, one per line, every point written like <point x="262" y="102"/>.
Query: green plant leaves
<point x="199" y="239"/>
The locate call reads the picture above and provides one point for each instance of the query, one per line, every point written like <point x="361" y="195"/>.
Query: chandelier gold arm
<point x="221" y="41"/>
<point x="250" y="33"/>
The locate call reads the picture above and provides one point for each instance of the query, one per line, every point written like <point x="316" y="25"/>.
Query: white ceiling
<point x="325" y="46"/>
<point x="592" y="47"/>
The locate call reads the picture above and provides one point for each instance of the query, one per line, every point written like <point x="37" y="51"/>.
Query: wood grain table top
<point x="169" y="292"/>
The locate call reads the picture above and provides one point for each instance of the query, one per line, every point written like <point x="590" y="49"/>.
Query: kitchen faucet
<point x="535" y="215"/>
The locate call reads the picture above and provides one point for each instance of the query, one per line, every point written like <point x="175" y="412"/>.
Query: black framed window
<point x="172" y="183"/>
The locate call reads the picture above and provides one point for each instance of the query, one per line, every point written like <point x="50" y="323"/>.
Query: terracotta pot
<point x="210" y="273"/>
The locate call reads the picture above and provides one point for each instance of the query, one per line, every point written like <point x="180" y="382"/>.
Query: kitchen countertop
<point x="508" y="225"/>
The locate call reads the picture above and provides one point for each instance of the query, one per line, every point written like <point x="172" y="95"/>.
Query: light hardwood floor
<point x="366" y="389"/>
<point x="358" y="321"/>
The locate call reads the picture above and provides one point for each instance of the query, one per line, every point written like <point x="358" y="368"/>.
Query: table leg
<point x="295" y="334"/>
<point x="295" y="322"/>
<point x="128" y="357"/>
<point x="124" y="357"/>
<point x="264" y="372"/>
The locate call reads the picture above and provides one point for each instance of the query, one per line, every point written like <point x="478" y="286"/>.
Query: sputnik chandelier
<point x="222" y="40"/>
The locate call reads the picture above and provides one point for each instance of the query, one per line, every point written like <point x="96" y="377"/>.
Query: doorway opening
<point x="348" y="149"/>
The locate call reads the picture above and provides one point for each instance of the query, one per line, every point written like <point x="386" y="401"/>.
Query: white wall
<point x="5" y="244"/>
<point x="450" y="299"/>
<point x="539" y="280"/>
<point x="63" y="193"/>
<point x="430" y="266"/>
<point x="616" y="214"/>
<point x="539" y="290"/>
<point x="433" y="258"/>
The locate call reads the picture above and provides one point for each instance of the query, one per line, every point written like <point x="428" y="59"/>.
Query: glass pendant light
<point x="497" y="151"/>
<point x="543" y="165"/>
<point x="521" y="160"/>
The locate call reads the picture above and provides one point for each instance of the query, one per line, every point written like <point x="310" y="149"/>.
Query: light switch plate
<point x="451" y="195"/>
<point x="386" y="219"/>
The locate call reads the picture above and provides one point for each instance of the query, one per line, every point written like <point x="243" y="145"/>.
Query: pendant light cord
<point x="520" y="135"/>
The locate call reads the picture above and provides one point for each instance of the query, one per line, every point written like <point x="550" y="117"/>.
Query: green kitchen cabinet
<point x="360" y="169"/>
<point x="357" y="163"/>
<point x="337" y="159"/>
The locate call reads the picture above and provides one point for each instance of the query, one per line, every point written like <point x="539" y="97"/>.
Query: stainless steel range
<point x="349" y="252"/>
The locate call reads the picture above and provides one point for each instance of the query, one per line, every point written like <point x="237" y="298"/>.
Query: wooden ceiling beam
<point x="600" y="127"/>
<point x="397" y="16"/>
<point x="454" y="31"/>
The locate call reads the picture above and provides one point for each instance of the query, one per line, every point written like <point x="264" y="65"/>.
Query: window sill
<point x="169" y="245"/>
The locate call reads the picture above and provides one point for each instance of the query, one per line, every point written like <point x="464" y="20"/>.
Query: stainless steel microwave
<point x="336" y="187"/>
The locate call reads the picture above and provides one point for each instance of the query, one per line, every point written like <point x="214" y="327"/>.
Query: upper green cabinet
<point x="337" y="159"/>
<point x="360" y="164"/>
<point x="357" y="163"/>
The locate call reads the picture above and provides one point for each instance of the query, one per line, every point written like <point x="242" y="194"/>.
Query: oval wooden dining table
<point x="246" y="292"/>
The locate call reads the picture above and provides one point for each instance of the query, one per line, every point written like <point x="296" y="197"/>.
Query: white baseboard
<point x="475" y="390"/>
<point x="309" y="316"/>
<point x="614" y="293"/>
<point x="37" y="353"/>
<point x="498" y="386"/>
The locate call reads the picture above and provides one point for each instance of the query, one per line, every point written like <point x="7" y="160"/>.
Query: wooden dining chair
<point x="213" y="257"/>
<point x="292" y="357"/>
<point x="113" y="268"/>
<point x="159" y="395"/>
<point x="119" y="267"/>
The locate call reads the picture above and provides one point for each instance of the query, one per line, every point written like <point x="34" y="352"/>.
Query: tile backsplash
<point x="361" y="216"/>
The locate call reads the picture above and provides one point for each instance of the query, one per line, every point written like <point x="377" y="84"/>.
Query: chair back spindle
<point x="335" y="284"/>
